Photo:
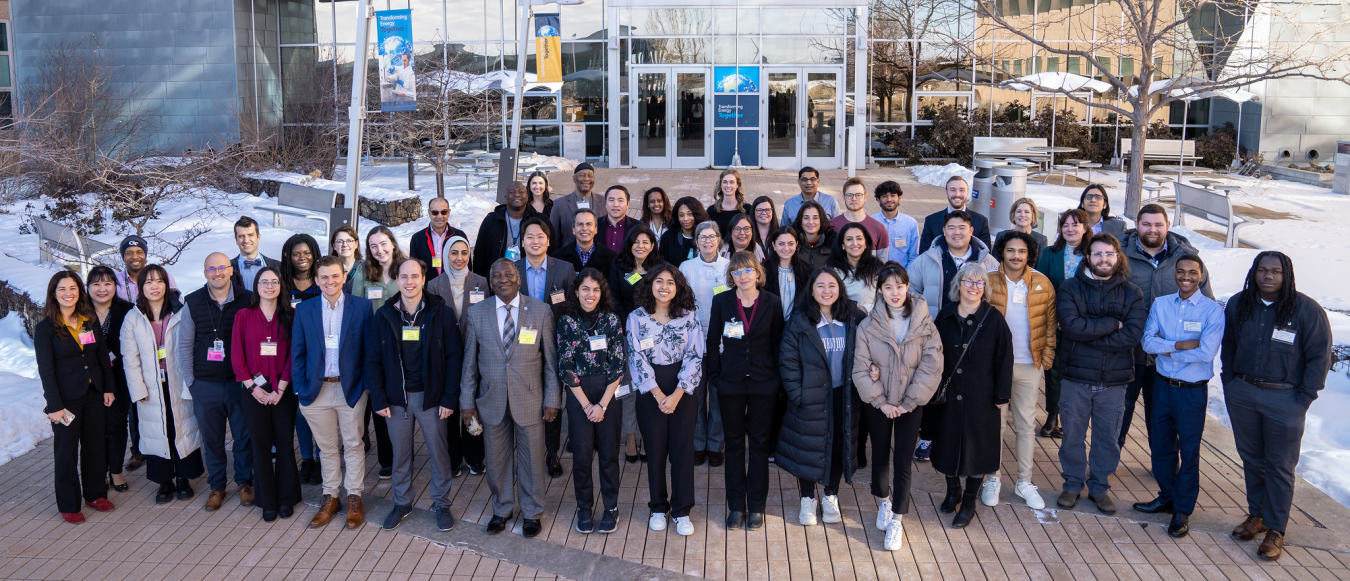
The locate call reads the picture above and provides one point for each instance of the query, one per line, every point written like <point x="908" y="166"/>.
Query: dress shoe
<point x="609" y="522"/>
<point x="245" y="495"/>
<point x="1272" y="547"/>
<point x="135" y="461"/>
<point x="554" y="467"/>
<point x="286" y="511"/>
<point x="754" y="521"/>
<point x="355" y="514"/>
<point x="101" y="505"/>
<point x="1154" y="506"/>
<point x="953" y="497"/>
<point x="1180" y="525"/>
<point x="73" y="517"/>
<point x="735" y="520"/>
<point x="269" y="516"/>
<point x="386" y="472"/>
<point x="715" y="459"/>
<point x="165" y="492"/>
<point x="1051" y="422"/>
<point x="476" y="469"/>
<point x="967" y="511"/>
<point x="1249" y="528"/>
<point x="214" y="500"/>
<point x="1104" y="503"/>
<point x="445" y="520"/>
<point x="306" y="471"/>
<point x="185" y="489"/>
<point x="698" y="457"/>
<point x="496" y="525"/>
<point x="631" y="458"/>
<point x="328" y="507"/>
<point x="584" y="524"/>
<point x="458" y="471"/>
<point x="396" y="516"/>
<point x="123" y="487"/>
<point x="1068" y="499"/>
<point x="530" y="529"/>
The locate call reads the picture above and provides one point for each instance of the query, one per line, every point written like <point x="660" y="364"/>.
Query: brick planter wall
<point x="389" y="213"/>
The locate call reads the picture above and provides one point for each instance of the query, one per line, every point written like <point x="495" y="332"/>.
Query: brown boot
<point x="1272" y="547"/>
<point x="246" y="494"/>
<point x="328" y="507"/>
<point x="355" y="514"/>
<point x="1249" y="528"/>
<point x="213" y="501"/>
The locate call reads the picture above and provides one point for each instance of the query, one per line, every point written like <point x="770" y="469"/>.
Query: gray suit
<point x="510" y="396"/>
<point x="559" y="277"/>
<point x="564" y="211"/>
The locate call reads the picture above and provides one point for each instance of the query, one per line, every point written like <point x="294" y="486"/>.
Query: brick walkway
<point x="147" y="542"/>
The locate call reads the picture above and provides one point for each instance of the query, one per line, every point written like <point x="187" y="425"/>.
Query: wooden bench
<point x="1214" y="207"/>
<point x="303" y="202"/>
<point x="54" y="239"/>
<point x="1161" y="150"/>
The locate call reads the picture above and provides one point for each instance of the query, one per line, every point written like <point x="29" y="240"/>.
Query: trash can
<point x="982" y="189"/>
<point x="1010" y="183"/>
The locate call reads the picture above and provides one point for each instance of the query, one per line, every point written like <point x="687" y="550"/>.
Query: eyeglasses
<point x="811" y="180"/>
<point x="269" y="283"/>
<point x="214" y="270"/>
<point x="445" y="212"/>
<point x="743" y="271"/>
<point x="768" y="211"/>
<point x="972" y="283"/>
<point x="741" y="229"/>
<point x="1094" y="197"/>
<point x="343" y="242"/>
<point x="708" y="237"/>
<point x="854" y="196"/>
<point x="1104" y="255"/>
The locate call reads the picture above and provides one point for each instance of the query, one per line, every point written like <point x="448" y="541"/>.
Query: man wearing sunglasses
<point x="427" y="243"/>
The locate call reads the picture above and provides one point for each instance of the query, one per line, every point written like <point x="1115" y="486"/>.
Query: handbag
<point x="940" y="396"/>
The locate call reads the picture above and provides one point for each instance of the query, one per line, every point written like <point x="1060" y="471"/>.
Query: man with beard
<point x="565" y="208"/>
<point x="1101" y="318"/>
<point x="902" y="230"/>
<point x="500" y="235"/>
<point x="1153" y="252"/>
<point x="958" y="193"/>
<point x="427" y="244"/>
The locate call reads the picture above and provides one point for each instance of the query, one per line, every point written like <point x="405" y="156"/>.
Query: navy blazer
<point x="933" y="224"/>
<point x="307" y="348"/>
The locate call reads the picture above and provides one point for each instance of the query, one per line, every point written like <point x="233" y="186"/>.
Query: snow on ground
<point x="22" y="423"/>
<point x="937" y="175"/>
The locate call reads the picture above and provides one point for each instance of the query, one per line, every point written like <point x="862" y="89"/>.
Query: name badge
<point x="159" y="353"/>
<point x="475" y="297"/>
<point x="112" y="357"/>
<point x="259" y="380"/>
<point x="734" y="330"/>
<point x="330" y="342"/>
<point x="900" y="243"/>
<point x="374" y="293"/>
<point x="294" y="301"/>
<point x="412" y="333"/>
<point x="691" y="255"/>
<point x="719" y="289"/>
<point x="624" y="389"/>
<point x="1019" y="298"/>
<point x="216" y="352"/>
<point x="1191" y="326"/>
<point x="267" y="349"/>
<point x="87" y="338"/>
<point x="513" y="253"/>
<point x="162" y="375"/>
<point x="599" y="343"/>
<point x="646" y="344"/>
<point x="556" y="297"/>
<point x="583" y="205"/>
<point x="527" y="336"/>
<point x="633" y="278"/>
<point x="1286" y="337"/>
<point x="435" y="263"/>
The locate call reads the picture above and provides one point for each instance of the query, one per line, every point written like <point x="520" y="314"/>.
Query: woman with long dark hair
<point x="728" y="200"/>
<point x="77" y="384"/>
<point x="110" y="311"/>
<point x="854" y="260"/>
<point x="665" y="365"/>
<point x="1059" y="263"/>
<point x="540" y="197"/>
<point x="784" y="267"/>
<point x="1097" y="204"/>
<point x="298" y="256"/>
<point x="817" y="234"/>
<point x="740" y="237"/>
<point x="677" y="244"/>
<point x="766" y="220"/>
<point x="590" y="366"/>
<point x="656" y="211"/>
<point x="170" y="439"/>
<point x="639" y="255"/>
<point x="821" y="424"/>
<point x="260" y="355"/>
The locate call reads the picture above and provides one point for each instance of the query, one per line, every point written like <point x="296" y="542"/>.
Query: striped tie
<point x="508" y="333"/>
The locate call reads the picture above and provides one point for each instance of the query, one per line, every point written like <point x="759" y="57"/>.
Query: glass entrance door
<point x="782" y="129"/>
<point x="822" y="120"/>
<point x="801" y="119"/>
<point x="670" y="117"/>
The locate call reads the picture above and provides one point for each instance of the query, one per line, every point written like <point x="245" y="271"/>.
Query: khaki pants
<point x="337" y="426"/>
<point x="1026" y="387"/>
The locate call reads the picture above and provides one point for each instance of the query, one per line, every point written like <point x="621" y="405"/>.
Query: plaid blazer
<point x="527" y="382"/>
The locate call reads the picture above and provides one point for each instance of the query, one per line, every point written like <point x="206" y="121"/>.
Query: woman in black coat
<point x="77" y="384"/>
<point x="978" y="384"/>
<point x="677" y="243"/>
<point x="110" y="311"/>
<point x="821" y="422"/>
<point x="639" y="255"/>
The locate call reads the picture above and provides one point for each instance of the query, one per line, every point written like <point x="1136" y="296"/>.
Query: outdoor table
<point x="1050" y="167"/>
<point x="1182" y="169"/>
<point x="1227" y="189"/>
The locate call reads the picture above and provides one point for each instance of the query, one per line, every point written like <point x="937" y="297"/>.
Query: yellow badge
<point x="719" y="289"/>
<point x="159" y="353"/>
<point x="527" y="336"/>
<point x="435" y="263"/>
<point x="412" y="333"/>
<point x="634" y="278"/>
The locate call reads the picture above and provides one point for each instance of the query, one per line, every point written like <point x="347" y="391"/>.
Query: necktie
<point x="255" y="263"/>
<point x="508" y="333"/>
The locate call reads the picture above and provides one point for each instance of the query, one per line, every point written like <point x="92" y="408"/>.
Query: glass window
<point x="308" y="91"/>
<point x="4" y="71"/>
<point x="1052" y="64"/>
<point x="1127" y="70"/>
<point x="1105" y="63"/>
<point x="298" y="21"/>
<point x="580" y="21"/>
<point x="747" y="50"/>
<point x="4" y="36"/>
<point x="428" y="19"/>
<point x="584" y="79"/>
<point x="476" y="58"/>
<point x="807" y="21"/>
<point x="323" y="21"/>
<point x="478" y="20"/>
<point x="543" y="108"/>
<point x="671" y="21"/>
<point x="344" y="17"/>
<point x="670" y="50"/>
<point x="541" y="139"/>
<point x="729" y="21"/>
<point x="784" y="50"/>
<point x="928" y="105"/>
<point x="1073" y="65"/>
<point x="890" y="142"/>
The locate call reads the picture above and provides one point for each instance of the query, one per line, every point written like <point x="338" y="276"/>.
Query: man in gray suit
<point x="548" y="280"/>
<point x="565" y="208"/>
<point x="511" y="377"/>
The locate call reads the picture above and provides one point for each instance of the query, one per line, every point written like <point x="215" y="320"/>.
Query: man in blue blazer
<point x="326" y="366"/>
<point x="958" y="193"/>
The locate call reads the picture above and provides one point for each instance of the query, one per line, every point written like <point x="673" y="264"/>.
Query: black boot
<point x="967" y="512"/>
<point x="306" y="471"/>
<point x="165" y="492"/>
<point x="953" y="497"/>
<point x="1051" y="423"/>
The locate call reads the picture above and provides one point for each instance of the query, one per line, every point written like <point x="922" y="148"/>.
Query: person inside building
<point x="500" y="235"/>
<point x="249" y="261"/>
<point x="563" y="215"/>
<point x="677" y="244"/>
<point x="935" y="224"/>
<point x="808" y="182"/>
<point x="427" y="243"/>
<point x="902" y="230"/>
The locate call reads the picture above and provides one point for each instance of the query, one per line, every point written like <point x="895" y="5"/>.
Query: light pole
<point x="356" y="113"/>
<point x="520" y="62"/>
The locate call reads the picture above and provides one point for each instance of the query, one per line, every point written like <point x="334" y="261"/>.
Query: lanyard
<point x="741" y="309"/>
<point x="432" y="247"/>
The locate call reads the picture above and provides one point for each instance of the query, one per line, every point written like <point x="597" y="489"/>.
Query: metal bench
<point x="303" y="202"/>
<point x="1162" y="150"/>
<point x="1211" y="206"/>
<point x="54" y="239"/>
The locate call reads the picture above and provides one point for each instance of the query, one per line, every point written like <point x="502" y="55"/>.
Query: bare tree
<point x="1205" y="46"/>
<point x="928" y="39"/>
<point x="308" y="140"/>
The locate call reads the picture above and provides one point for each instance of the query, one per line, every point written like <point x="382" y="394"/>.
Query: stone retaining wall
<point x="387" y="212"/>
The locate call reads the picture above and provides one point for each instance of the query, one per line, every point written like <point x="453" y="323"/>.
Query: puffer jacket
<point x="925" y="273"/>
<point x="141" y="363"/>
<point x="1102" y="321"/>
<point x="806" y="438"/>
<point x="910" y="370"/>
<point x="1041" y="311"/>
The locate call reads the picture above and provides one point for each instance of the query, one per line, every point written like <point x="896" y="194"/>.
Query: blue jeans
<point x="1079" y="409"/>
<point x="216" y="405"/>
<point x="708" y="420"/>
<point x="308" y="449"/>
<point x="1178" y="422"/>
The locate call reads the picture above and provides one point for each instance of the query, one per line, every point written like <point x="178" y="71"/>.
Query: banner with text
<point x="548" y="48"/>
<point x="398" y="88"/>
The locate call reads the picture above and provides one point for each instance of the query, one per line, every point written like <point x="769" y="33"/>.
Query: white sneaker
<point x="989" y="491"/>
<point x="657" y="522"/>
<point x="807" y="516"/>
<point x="884" y="514"/>
<point x="829" y="508"/>
<point x="895" y="535"/>
<point x="1029" y="493"/>
<point x="683" y="527"/>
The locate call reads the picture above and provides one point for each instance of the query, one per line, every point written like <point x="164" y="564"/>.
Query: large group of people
<point x="732" y="335"/>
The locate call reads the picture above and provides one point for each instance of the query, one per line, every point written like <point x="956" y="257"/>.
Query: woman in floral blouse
<point x="665" y="364"/>
<point x="590" y="365"/>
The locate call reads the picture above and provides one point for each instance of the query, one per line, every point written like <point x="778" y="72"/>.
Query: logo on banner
<point x="736" y="79"/>
<point x="548" y="48"/>
<point x="398" y="85"/>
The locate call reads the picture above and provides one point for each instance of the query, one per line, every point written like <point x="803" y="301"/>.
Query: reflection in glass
<point x="819" y="50"/>
<point x="670" y="50"/>
<point x="747" y="50"/>
<point x="821" y="109"/>
<point x="667" y="21"/>
<point x="651" y="114"/>
<point x="808" y="21"/>
<point x="782" y="130"/>
<point x="729" y="22"/>
<point x="583" y="92"/>
<point x="690" y="117"/>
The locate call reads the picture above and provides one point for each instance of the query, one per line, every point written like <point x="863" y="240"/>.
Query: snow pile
<point x="373" y="193"/>
<point x="22" y="423"/>
<point x="937" y="175"/>
<point x="562" y="163"/>
<point x="26" y="278"/>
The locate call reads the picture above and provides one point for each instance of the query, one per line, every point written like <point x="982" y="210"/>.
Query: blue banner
<point x="735" y="111"/>
<point x="736" y="79"/>
<point x="398" y="87"/>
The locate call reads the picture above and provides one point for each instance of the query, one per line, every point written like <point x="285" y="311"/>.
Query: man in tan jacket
<point x="1027" y="300"/>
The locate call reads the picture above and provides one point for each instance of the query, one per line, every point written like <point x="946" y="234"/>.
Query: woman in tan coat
<point x="896" y="368"/>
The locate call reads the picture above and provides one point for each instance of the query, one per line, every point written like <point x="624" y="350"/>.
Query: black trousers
<point x="931" y="424"/>
<point x="747" y="414"/>
<point x="553" y="435"/>
<point x="161" y="470"/>
<point x="384" y="450"/>
<point x="134" y="430"/>
<point x="80" y="453"/>
<point x="776" y="422"/>
<point x="668" y="436"/>
<point x="1143" y="383"/>
<point x="893" y="440"/>
<point x="271" y="425"/>
<point x="464" y="448"/>
<point x="587" y="438"/>
<point x="115" y="422"/>
<point x="837" y="460"/>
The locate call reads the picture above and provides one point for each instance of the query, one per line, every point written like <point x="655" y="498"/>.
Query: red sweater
<point x="251" y="329"/>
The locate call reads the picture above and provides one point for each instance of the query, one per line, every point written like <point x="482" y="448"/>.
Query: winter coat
<point x="1101" y="324"/>
<point x="1159" y="281"/>
<point x="1040" y="311"/>
<point x="926" y="276"/>
<point x="804" y="443"/>
<point x="970" y="439"/>
<point x="819" y="253"/>
<point x="1051" y="264"/>
<point x="494" y="236"/>
<point x="910" y="370"/>
<point x="68" y="370"/>
<point x="142" y="366"/>
<point x="442" y="355"/>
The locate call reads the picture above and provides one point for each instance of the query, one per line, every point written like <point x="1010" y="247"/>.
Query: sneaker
<point x="1029" y="493"/>
<point x="657" y="522"/>
<point x="807" y="516"/>
<point x="683" y="527"/>
<point x="884" y="514"/>
<point x="396" y="516"/>
<point x="923" y="451"/>
<point x="829" y="508"/>
<point x="989" y="491"/>
<point x="386" y="472"/>
<point x="609" y="522"/>
<point x="476" y="469"/>
<point x="583" y="522"/>
<point x="445" y="520"/>
<point x="895" y="535"/>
